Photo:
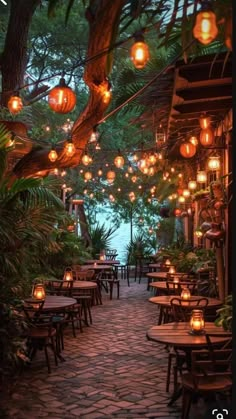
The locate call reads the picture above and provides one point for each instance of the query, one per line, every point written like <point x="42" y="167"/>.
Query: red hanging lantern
<point x="139" y="52"/>
<point x="206" y="137"/>
<point x="187" y="149"/>
<point x="15" y="104"/>
<point x="205" y="29"/>
<point x="62" y="99"/>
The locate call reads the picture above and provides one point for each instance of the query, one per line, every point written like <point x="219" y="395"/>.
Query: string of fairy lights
<point x="62" y="99"/>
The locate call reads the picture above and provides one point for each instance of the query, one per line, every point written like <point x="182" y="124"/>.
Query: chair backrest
<point x="182" y="309"/>
<point x="206" y="363"/>
<point x="111" y="254"/>
<point x="176" y="288"/>
<point x="90" y="274"/>
<point x="181" y="276"/>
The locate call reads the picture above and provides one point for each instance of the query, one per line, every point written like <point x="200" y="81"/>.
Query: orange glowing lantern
<point x="139" y="52"/>
<point x="197" y="322"/>
<point x="185" y="294"/>
<point x="38" y="292"/>
<point x="69" y="148"/>
<point x="119" y="161"/>
<point x="15" y="104"/>
<point x="187" y="149"/>
<point x="205" y="29"/>
<point x="204" y="121"/>
<point x="62" y="99"/>
<point x="88" y="176"/>
<point x="86" y="159"/>
<point x="206" y="137"/>
<point x="111" y="176"/>
<point x="52" y="155"/>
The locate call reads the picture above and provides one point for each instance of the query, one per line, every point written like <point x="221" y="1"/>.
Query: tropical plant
<point x="101" y="238"/>
<point x="225" y="314"/>
<point x="141" y="246"/>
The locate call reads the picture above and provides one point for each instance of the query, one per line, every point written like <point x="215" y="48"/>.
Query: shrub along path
<point x="111" y="370"/>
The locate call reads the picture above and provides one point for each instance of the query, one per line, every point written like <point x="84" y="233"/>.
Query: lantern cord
<point x="166" y="68"/>
<point x="90" y="59"/>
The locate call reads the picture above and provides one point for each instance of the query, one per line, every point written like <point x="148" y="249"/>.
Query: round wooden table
<point x="54" y="302"/>
<point x="161" y="286"/>
<point x="177" y="335"/>
<point x="157" y="275"/>
<point x="96" y="267"/>
<point x="84" y="285"/>
<point x="102" y="262"/>
<point x="164" y="302"/>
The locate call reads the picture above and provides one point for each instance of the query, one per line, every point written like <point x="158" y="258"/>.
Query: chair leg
<point x="127" y="276"/>
<point x="111" y="289"/>
<point x="118" y="290"/>
<point x="47" y="359"/>
<point x="54" y="350"/>
<point x="168" y="373"/>
<point x="186" y="404"/>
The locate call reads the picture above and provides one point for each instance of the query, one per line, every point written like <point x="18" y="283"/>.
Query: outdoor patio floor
<point x="110" y="370"/>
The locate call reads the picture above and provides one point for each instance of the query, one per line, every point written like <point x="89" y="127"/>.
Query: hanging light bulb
<point x="181" y="199"/>
<point x="186" y="193"/>
<point x="206" y="137"/>
<point x="214" y="163"/>
<point x="192" y="185"/>
<point x="152" y="159"/>
<point x="130" y="168"/>
<point x="15" y="104"/>
<point x="52" y="155"/>
<point x="94" y="136"/>
<point x="151" y="171"/>
<point x="86" y="159"/>
<point x="119" y="160"/>
<point x="204" y="121"/>
<point x="135" y="157"/>
<point x="201" y="176"/>
<point x="139" y="52"/>
<point x="134" y="179"/>
<point x="205" y="29"/>
<point x="111" y="176"/>
<point x="88" y="176"/>
<point x="100" y="172"/>
<point x="69" y="148"/>
<point x="193" y="140"/>
<point x="132" y="196"/>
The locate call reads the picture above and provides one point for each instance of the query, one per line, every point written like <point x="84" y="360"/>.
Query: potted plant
<point x="225" y="314"/>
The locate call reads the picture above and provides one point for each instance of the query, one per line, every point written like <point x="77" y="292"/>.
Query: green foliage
<point x="225" y="314"/>
<point x="141" y="246"/>
<point x="101" y="238"/>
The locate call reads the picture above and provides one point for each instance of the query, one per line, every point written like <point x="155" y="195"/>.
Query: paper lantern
<point x="111" y="176"/>
<point x="187" y="150"/>
<point x="214" y="163"/>
<point x="206" y="137"/>
<point x="52" y="155"/>
<point x="88" y="175"/>
<point x="119" y="161"/>
<point x="62" y="99"/>
<point x="201" y="176"/>
<point x="69" y="149"/>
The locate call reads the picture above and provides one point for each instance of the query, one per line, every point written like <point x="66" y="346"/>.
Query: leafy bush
<point x="101" y="238"/>
<point x="225" y="314"/>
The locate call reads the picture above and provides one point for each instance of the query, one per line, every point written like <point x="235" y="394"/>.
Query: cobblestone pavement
<point x="110" y="370"/>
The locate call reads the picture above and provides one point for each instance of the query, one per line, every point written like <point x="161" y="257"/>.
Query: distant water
<point x="121" y="237"/>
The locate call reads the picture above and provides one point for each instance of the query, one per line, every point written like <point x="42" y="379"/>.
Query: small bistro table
<point x="164" y="302"/>
<point x="177" y="335"/>
<point x="102" y="262"/>
<point x="54" y="302"/>
<point x="96" y="267"/>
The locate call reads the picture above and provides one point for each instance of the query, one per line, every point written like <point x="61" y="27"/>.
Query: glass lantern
<point x="185" y="294"/>
<point x="197" y="322"/>
<point x="38" y="292"/>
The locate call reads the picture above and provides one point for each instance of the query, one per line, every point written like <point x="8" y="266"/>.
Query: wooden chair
<point x="210" y="374"/>
<point x="181" y="311"/>
<point x="107" y="280"/>
<point x="111" y="254"/>
<point x="141" y="268"/>
<point x="41" y="333"/>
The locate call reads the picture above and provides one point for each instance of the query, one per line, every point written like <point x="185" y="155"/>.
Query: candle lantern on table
<point x="176" y="280"/>
<point x="172" y="270"/>
<point x="197" y="322"/>
<point x="38" y="292"/>
<point x="167" y="262"/>
<point x="185" y="294"/>
<point x="68" y="275"/>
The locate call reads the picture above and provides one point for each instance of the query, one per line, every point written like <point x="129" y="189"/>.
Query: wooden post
<point x="220" y="272"/>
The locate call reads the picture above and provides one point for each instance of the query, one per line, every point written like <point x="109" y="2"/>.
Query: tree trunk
<point x="104" y="14"/>
<point x="14" y="56"/>
<point x="84" y="226"/>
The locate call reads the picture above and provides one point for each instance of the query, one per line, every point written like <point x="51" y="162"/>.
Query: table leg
<point x="160" y="316"/>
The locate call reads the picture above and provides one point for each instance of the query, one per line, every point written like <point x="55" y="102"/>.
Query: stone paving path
<point x="111" y="370"/>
